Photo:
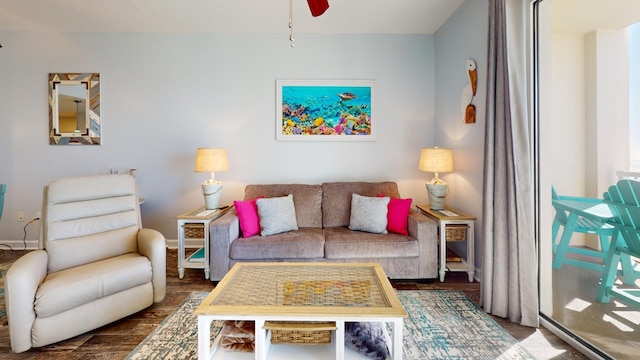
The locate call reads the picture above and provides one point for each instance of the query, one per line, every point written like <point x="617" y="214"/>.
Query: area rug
<point x="442" y="324"/>
<point x="3" y="273"/>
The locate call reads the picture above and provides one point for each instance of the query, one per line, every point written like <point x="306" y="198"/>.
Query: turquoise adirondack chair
<point x="3" y="189"/>
<point x="583" y="225"/>
<point x="624" y="201"/>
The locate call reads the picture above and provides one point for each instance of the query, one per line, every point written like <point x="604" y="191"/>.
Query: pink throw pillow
<point x="248" y="217"/>
<point x="398" y="215"/>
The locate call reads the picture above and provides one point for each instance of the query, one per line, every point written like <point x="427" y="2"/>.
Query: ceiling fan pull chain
<point x="293" y="42"/>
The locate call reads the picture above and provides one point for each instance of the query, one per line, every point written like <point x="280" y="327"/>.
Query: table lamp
<point x="211" y="160"/>
<point x="436" y="160"/>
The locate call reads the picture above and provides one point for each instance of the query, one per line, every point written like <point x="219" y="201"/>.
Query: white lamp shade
<point x="436" y="160"/>
<point x="210" y="160"/>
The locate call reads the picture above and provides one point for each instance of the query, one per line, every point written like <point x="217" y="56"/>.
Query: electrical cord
<point x="24" y="238"/>
<point x="24" y="230"/>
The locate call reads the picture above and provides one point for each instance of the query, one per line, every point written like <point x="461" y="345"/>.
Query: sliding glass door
<point x="583" y="101"/>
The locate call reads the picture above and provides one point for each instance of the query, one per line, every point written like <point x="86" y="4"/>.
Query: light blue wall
<point x="463" y="36"/>
<point x="164" y="95"/>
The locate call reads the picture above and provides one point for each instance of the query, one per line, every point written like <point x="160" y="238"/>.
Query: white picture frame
<point x="325" y="110"/>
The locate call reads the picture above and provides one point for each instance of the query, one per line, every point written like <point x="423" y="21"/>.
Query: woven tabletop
<point x="323" y="286"/>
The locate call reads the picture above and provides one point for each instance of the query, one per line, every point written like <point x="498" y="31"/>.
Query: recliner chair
<point x="96" y="264"/>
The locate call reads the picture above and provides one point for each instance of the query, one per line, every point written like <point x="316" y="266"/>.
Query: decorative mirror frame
<point x="89" y="132"/>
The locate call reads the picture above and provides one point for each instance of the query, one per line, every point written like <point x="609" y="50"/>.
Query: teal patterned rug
<point x="442" y="324"/>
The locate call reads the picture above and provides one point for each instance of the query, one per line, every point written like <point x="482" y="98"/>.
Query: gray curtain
<point x="509" y="284"/>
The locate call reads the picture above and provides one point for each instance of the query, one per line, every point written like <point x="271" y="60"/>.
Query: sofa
<point x="321" y="233"/>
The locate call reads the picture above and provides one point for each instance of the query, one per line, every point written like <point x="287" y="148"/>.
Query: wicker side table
<point x="453" y="226"/>
<point x="194" y="225"/>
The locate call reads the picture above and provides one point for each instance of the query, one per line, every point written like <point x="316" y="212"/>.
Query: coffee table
<point x="300" y="292"/>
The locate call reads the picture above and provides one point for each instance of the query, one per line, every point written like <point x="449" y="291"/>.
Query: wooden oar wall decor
<point x="470" y="110"/>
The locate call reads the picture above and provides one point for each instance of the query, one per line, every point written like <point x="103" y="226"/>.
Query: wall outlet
<point x="38" y="214"/>
<point x="20" y="216"/>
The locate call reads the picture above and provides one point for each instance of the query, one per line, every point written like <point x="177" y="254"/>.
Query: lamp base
<point x="437" y="194"/>
<point x="211" y="193"/>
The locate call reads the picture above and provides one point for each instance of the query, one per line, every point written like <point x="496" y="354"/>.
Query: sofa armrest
<point x="222" y="232"/>
<point x="23" y="279"/>
<point x="152" y="244"/>
<point x="425" y="230"/>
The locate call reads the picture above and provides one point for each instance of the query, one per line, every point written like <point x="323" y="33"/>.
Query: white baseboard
<point x="477" y="275"/>
<point x="33" y="244"/>
<point x="18" y="245"/>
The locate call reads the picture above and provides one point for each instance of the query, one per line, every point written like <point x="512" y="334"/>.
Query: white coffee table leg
<point x="260" y="340"/>
<point x="204" y="338"/>
<point x="397" y="339"/>
<point x="339" y="340"/>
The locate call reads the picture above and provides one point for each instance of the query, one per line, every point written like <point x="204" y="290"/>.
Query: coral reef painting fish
<point x="325" y="110"/>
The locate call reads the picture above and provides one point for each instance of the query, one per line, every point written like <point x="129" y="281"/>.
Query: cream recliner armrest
<point x="151" y="243"/>
<point x="23" y="278"/>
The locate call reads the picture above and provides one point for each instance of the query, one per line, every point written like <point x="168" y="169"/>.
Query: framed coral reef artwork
<point x="325" y="110"/>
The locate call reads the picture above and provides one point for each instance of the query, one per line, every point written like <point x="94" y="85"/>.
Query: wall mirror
<point x="74" y="109"/>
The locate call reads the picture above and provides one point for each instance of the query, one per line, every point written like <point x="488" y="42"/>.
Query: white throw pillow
<point x="277" y="215"/>
<point x="369" y="214"/>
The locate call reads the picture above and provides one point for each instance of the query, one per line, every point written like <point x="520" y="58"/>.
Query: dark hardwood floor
<point x="116" y="340"/>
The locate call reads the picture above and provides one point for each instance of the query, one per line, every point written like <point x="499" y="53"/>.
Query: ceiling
<point x="225" y="16"/>
<point x="271" y="16"/>
<point x="582" y="16"/>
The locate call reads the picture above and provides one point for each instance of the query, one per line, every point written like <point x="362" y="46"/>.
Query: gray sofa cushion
<point x="306" y="198"/>
<point x="336" y="199"/>
<point x="277" y="215"/>
<point x="341" y="243"/>
<point x="305" y="243"/>
<point x="369" y="214"/>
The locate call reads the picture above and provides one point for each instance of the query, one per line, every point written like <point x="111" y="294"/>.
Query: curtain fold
<point x="509" y="284"/>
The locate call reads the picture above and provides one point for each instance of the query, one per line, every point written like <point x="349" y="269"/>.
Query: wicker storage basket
<point x="300" y="333"/>
<point x="193" y="231"/>
<point x="457" y="232"/>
